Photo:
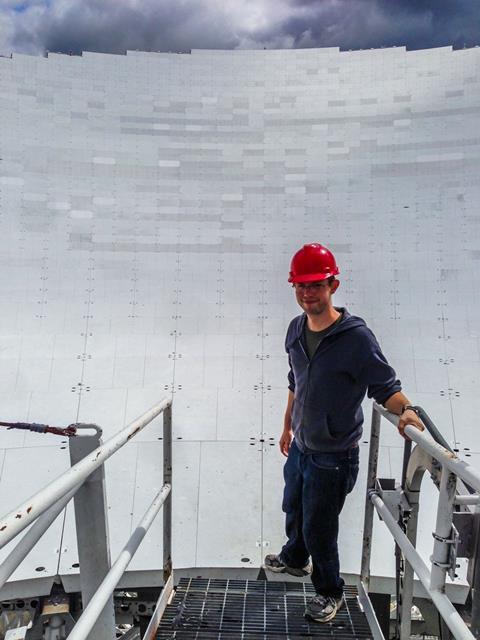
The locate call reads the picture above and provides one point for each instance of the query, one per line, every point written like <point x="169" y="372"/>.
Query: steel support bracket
<point x="463" y="522"/>
<point x="436" y="472"/>
<point x="394" y="498"/>
<point x="55" y="622"/>
<point x="452" y="541"/>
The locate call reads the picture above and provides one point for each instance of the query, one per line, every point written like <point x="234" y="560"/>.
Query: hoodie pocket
<point x="317" y="434"/>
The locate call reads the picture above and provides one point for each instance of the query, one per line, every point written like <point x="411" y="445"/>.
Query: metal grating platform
<point x="254" y="610"/>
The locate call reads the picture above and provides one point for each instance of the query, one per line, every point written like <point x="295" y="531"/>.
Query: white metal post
<point x="167" y="530"/>
<point x="413" y="475"/>
<point x="167" y="480"/>
<point x="443" y="530"/>
<point x="408" y="576"/>
<point x="93" y="541"/>
<point x="371" y="479"/>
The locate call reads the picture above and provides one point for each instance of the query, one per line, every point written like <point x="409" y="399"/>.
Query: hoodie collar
<point x="346" y="323"/>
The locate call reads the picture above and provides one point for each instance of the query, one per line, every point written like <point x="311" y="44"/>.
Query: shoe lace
<point x="324" y="601"/>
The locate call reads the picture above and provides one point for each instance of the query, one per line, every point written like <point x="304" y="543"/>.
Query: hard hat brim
<point x="312" y="277"/>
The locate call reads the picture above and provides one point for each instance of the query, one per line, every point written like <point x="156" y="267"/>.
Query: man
<point x="334" y="361"/>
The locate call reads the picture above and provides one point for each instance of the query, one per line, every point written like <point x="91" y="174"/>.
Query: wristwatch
<point x="409" y="406"/>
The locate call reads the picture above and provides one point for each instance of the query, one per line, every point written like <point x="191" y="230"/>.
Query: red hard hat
<point x="313" y="262"/>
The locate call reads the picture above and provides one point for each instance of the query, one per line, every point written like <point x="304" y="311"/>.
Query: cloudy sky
<point x="36" y="26"/>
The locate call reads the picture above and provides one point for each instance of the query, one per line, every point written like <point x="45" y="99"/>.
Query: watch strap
<point x="411" y="407"/>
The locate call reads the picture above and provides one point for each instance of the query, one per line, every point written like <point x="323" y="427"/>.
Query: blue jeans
<point x="316" y="485"/>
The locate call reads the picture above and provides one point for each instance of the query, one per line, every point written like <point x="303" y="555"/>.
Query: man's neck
<point x="323" y="320"/>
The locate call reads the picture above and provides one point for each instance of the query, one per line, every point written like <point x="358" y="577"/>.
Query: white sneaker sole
<point x="326" y="618"/>
<point x="321" y="620"/>
<point x="275" y="569"/>
<point x="296" y="573"/>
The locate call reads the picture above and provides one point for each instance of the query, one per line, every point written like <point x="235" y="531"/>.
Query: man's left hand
<point x="409" y="417"/>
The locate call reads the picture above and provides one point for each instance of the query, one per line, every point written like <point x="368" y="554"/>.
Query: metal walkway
<point x="254" y="610"/>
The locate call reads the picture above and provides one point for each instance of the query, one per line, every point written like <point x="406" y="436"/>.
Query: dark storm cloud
<point x="114" y="26"/>
<point x="361" y="24"/>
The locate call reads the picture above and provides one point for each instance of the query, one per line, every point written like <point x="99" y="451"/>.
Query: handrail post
<point x="369" y="508"/>
<point x="168" y="584"/>
<point x="443" y="530"/>
<point x="92" y="534"/>
<point x="404" y="608"/>
<point x="167" y="479"/>
<point x="474" y="571"/>
<point x="405" y="581"/>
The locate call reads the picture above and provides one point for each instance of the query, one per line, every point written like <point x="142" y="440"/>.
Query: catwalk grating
<point x="254" y="610"/>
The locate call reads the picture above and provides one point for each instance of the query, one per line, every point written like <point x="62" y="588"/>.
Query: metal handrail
<point x="43" y="507"/>
<point x="444" y="456"/>
<point x="94" y="608"/>
<point x="33" y="535"/>
<point x="452" y="468"/>
<point x="18" y="519"/>
<point x="431" y="427"/>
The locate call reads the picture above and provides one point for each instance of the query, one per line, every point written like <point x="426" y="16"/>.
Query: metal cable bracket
<point x="452" y="540"/>
<point x="442" y="565"/>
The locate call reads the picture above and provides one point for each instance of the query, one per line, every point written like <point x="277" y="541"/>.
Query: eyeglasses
<point x="314" y="286"/>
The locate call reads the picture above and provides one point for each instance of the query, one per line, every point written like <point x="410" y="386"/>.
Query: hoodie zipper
<point x="308" y="376"/>
<point x="309" y="361"/>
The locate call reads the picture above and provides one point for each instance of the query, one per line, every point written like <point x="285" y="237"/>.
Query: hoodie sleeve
<point x="378" y="376"/>
<point x="291" y="376"/>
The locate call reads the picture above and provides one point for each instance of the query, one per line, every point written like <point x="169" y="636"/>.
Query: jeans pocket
<point x="325" y="461"/>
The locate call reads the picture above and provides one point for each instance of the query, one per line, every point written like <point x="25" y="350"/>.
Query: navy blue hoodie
<point x="329" y="389"/>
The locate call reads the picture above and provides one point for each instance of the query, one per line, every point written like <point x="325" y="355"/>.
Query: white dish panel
<point x="149" y="228"/>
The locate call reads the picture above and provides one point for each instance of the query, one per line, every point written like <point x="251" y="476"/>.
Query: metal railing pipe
<point x="446" y="609"/>
<point x="467" y="500"/>
<point x="33" y="535"/>
<point x="31" y="509"/>
<point x="391" y="417"/>
<point x="444" y="456"/>
<point x="424" y="417"/>
<point x="447" y="459"/>
<point x="432" y="429"/>
<point x="160" y="607"/>
<point x="368" y="515"/>
<point x="95" y="606"/>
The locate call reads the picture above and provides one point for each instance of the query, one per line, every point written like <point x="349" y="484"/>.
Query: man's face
<point x="315" y="297"/>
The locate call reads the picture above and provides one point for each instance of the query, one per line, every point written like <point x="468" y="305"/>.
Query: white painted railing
<point x="445" y="467"/>
<point x="97" y="621"/>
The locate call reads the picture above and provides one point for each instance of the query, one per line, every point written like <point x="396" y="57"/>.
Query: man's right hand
<point x="285" y="441"/>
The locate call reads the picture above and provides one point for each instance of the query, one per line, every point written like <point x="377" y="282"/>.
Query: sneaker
<point x="323" y="608"/>
<point x="274" y="563"/>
